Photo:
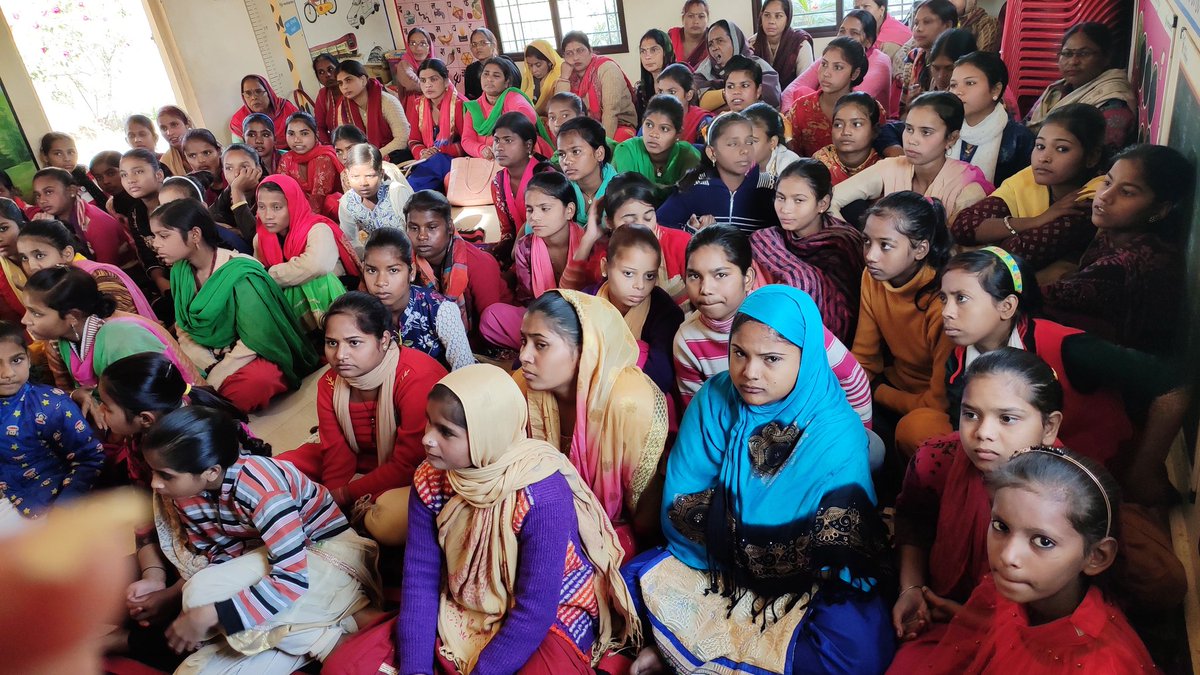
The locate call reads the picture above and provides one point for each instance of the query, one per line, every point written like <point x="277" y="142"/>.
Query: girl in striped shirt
<point x="275" y="576"/>
<point x="719" y="276"/>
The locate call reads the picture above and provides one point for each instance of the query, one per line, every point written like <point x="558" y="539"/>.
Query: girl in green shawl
<point x="659" y="154"/>
<point x="232" y="318"/>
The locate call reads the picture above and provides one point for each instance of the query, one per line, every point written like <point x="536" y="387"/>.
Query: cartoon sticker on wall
<point x="317" y="8"/>
<point x="451" y="21"/>
<point x="355" y="29"/>
<point x="360" y="11"/>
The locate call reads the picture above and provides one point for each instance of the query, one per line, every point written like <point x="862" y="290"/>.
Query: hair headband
<point x="1062" y="454"/>
<point x="1010" y="262"/>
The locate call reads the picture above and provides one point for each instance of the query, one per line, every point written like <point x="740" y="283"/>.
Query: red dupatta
<point x="279" y="111"/>
<point x="292" y="160"/>
<point x="692" y="121"/>
<point x="379" y="132"/>
<point x="587" y="86"/>
<point x="449" y="116"/>
<point x="301" y="220"/>
<point x="325" y="110"/>
<point x="698" y="54"/>
<point x="958" y="558"/>
<point x="787" y="52"/>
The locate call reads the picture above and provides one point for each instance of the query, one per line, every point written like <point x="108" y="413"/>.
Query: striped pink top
<point x="702" y="350"/>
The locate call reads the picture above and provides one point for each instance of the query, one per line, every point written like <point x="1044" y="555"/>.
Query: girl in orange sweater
<point x="899" y="341"/>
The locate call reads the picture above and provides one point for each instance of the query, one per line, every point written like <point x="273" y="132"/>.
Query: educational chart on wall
<point x="450" y="22"/>
<point x="357" y="29"/>
<point x="16" y="157"/>
<point x="1154" y="31"/>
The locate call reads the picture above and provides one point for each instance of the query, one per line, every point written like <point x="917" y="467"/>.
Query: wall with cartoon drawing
<point x="450" y="22"/>
<point x="357" y="29"/>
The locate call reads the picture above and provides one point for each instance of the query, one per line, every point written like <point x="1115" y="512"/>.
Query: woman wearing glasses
<point x="259" y="97"/>
<point x="1087" y="78"/>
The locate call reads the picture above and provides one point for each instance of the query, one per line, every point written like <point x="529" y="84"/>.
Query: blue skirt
<point x="430" y="174"/>
<point x="697" y="631"/>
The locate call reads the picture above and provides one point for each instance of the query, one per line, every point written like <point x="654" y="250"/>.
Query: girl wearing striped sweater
<point x="719" y="276"/>
<point x="274" y="572"/>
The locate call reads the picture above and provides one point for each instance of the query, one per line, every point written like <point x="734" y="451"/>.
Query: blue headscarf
<point x="772" y="469"/>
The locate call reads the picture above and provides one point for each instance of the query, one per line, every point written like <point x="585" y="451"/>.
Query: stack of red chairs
<point x="1033" y="31"/>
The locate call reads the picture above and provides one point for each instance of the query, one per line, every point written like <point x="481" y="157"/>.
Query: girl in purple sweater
<point x="531" y="580"/>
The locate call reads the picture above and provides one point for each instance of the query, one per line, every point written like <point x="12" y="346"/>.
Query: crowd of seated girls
<point x="905" y="296"/>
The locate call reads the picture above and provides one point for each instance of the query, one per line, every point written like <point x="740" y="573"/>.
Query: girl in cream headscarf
<point x="531" y="579"/>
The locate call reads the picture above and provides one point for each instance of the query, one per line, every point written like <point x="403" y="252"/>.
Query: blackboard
<point x="1184" y="136"/>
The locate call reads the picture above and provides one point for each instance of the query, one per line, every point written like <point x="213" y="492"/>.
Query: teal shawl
<point x="775" y="497"/>
<point x="607" y="172"/>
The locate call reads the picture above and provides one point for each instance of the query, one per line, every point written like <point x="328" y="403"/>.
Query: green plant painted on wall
<point x="16" y="157"/>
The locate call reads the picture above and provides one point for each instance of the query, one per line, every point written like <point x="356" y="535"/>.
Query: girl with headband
<point x="1052" y="536"/>
<point x="990" y="299"/>
<point x="1013" y="400"/>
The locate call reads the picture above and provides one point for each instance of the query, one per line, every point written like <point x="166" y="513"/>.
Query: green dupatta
<point x="631" y="155"/>
<point x="240" y="301"/>
<point x="484" y="126"/>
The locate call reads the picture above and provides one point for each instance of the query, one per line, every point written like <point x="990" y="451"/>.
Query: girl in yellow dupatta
<point x="539" y="71"/>
<point x="515" y="528"/>
<point x="588" y="398"/>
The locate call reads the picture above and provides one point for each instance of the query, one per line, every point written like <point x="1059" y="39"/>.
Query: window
<point x="821" y="18"/>
<point x="92" y="63"/>
<point x="519" y="22"/>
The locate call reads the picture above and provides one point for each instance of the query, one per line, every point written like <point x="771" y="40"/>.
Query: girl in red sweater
<point x="1052" y="535"/>
<point x="370" y="404"/>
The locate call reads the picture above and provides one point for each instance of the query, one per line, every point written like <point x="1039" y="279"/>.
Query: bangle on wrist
<point x="907" y="590"/>
<point x="153" y="567"/>
<point x="235" y="205"/>
<point x="1008" y="226"/>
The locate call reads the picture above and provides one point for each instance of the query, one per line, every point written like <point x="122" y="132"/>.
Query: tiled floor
<point x="288" y="421"/>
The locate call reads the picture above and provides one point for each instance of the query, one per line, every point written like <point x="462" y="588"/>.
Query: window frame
<point x="623" y="26"/>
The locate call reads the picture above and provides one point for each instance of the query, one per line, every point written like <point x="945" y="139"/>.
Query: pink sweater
<point x="702" y="350"/>
<point x="877" y="83"/>
<point x="472" y="143"/>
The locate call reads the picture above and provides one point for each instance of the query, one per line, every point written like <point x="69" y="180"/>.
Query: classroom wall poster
<point x="450" y="21"/>
<point x="1154" y="26"/>
<point x="356" y="29"/>
<point x="16" y="157"/>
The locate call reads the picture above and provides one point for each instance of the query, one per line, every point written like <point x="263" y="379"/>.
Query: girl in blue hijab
<point x="775" y="549"/>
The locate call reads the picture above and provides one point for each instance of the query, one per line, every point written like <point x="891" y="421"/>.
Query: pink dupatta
<point x="139" y="299"/>
<point x="516" y="202"/>
<point x="541" y="269"/>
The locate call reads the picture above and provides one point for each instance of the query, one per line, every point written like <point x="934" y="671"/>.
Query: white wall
<point x="216" y="47"/>
<point x="642" y="15"/>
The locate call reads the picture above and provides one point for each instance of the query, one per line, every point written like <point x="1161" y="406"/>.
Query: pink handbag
<point x="469" y="182"/>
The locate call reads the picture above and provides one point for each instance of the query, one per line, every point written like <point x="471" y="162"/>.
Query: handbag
<point x="469" y="182"/>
